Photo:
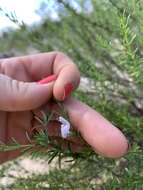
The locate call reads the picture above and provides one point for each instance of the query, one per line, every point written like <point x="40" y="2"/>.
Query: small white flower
<point x="65" y="127"/>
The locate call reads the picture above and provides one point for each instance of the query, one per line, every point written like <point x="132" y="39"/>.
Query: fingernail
<point x="47" y="79"/>
<point x="67" y="90"/>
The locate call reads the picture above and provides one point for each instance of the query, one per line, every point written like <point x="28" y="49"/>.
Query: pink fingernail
<point x="47" y="79"/>
<point x="67" y="90"/>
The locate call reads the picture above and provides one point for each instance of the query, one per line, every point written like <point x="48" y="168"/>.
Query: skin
<point x="20" y="95"/>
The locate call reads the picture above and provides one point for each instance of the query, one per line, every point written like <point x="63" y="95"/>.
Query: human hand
<point x="21" y="94"/>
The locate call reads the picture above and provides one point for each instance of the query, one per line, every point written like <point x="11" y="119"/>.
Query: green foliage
<point x="97" y="173"/>
<point x="106" y="44"/>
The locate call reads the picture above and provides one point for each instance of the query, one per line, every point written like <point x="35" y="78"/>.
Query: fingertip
<point x="61" y="92"/>
<point x="116" y="147"/>
<point x="66" y="84"/>
<point x="105" y="139"/>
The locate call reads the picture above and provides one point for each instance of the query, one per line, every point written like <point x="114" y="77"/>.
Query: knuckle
<point x="18" y="92"/>
<point x="9" y="68"/>
<point x="13" y="89"/>
<point x="60" y="54"/>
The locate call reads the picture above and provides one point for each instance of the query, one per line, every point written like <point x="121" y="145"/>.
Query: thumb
<point x="19" y="96"/>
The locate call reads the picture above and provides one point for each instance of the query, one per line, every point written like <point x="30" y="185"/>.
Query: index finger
<point x="104" y="138"/>
<point x="42" y="65"/>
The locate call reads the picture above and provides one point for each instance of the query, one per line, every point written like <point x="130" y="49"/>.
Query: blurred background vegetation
<point x="104" y="38"/>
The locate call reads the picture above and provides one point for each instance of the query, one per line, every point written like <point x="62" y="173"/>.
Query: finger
<point x="68" y="77"/>
<point x="19" y="96"/>
<point x="29" y="68"/>
<point x="36" y="67"/>
<point x="105" y="139"/>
